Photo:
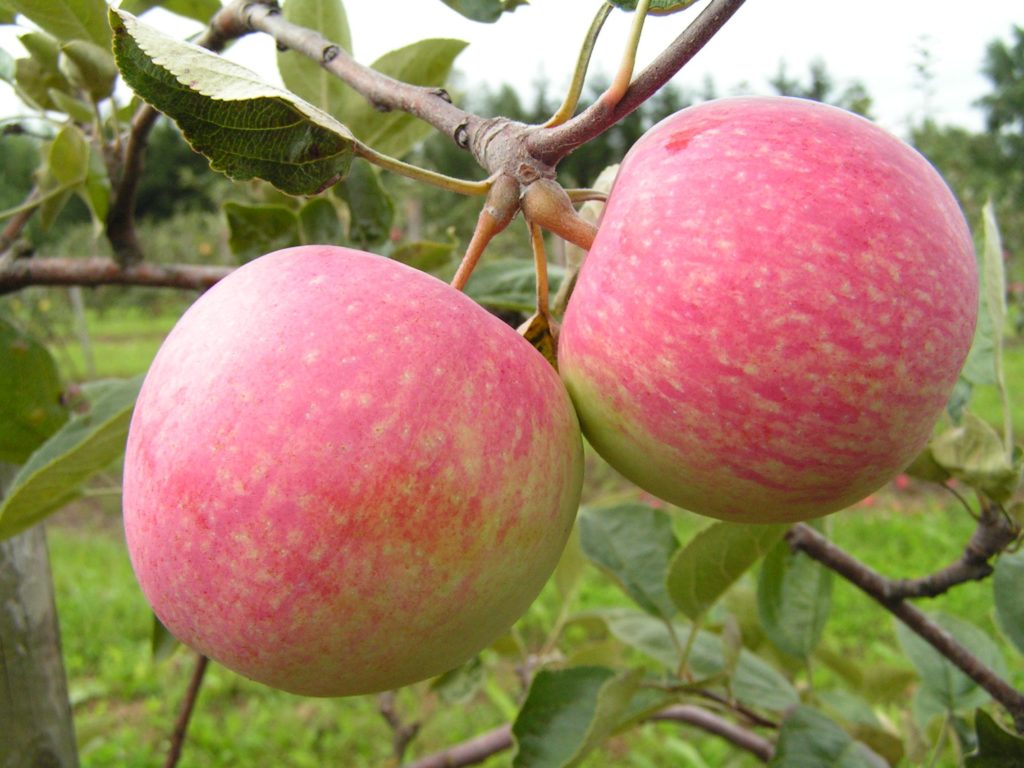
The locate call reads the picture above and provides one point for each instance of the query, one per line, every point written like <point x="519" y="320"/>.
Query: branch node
<point x="461" y="135"/>
<point x="330" y="53"/>
<point x="441" y="93"/>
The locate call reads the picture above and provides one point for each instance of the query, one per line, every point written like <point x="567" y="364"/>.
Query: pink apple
<point x="344" y="476"/>
<point x="774" y="312"/>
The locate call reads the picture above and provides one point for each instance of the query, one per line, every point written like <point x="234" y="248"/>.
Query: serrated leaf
<point x="944" y="688"/>
<point x="568" y="712"/>
<point x="30" y="395"/>
<point x="86" y="444"/>
<point x="245" y="127"/>
<point x="319" y="222"/>
<point x="306" y="77"/>
<point x="634" y="543"/>
<point x="997" y="748"/>
<point x="425" y="63"/>
<point x="161" y="642"/>
<point x="657" y="7"/>
<point x="254" y="230"/>
<point x="371" y="210"/>
<point x="973" y="452"/>
<point x="89" y="67"/>
<point x="713" y="560"/>
<point x="67" y="19"/>
<point x="1007" y="587"/>
<point x="200" y="10"/>
<point x="424" y="255"/>
<point x="509" y="284"/>
<point x="486" y="11"/>
<point x="808" y="739"/>
<point x="794" y="597"/>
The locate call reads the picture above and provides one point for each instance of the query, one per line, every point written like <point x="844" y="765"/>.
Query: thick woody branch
<point x="22" y="273"/>
<point x="431" y="105"/>
<point x="552" y="144"/>
<point x="881" y="589"/>
<point x="120" y="224"/>
<point x="481" y="747"/>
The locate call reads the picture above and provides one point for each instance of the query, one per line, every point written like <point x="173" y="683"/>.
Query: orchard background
<point x="112" y="227"/>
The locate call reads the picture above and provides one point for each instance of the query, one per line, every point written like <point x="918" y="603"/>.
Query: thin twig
<point x="385" y="93"/>
<point x="490" y="743"/>
<point x="17" y="223"/>
<point x="22" y="273"/>
<point x="995" y="532"/>
<point x="879" y="588"/>
<point x="402" y="733"/>
<point x="185" y="714"/>
<point x="552" y="144"/>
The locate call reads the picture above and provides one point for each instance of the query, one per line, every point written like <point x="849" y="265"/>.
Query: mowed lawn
<point x="125" y="701"/>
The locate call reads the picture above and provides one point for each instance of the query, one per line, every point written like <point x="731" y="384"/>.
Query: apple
<point x="774" y="312"/>
<point x="344" y="476"/>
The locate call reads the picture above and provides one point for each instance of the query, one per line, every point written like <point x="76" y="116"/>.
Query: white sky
<point x="874" y="41"/>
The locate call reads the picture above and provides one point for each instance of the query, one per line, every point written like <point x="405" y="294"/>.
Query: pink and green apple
<point x="774" y="312"/>
<point x="344" y="476"/>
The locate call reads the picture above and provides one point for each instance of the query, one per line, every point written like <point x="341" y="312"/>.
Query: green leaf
<point x="568" y="712"/>
<point x="973" y="452"/>
<point x="487" y="11"/>
<point x="808" y="739"/>
<point x="570" y="565"/>
<point x="6" y="67"/>
<point x="1008" y="586"/>
<point x="944" y="688"/>
<point x="457" y="686"/>
<point x="657" y="7"/>
<point x="244" y="126"/>
<point x="161" y="642"/>
<point x="371" y="210"/>
<point x="89" y="67"/>
<point x="713" y="560"/>
<point x="426" y="63"/>
<point x="424" y="255"/>
<point x="86" y="444"/>
<point x="200" y="10"/>
<point x="255" y="230"/>
<point x="67" y="19"/>
<point x="753" y="681"/>
<point x="634" y="543"/>
<point x="319" y="222"/>
<point x="78" y="110"/>
<point x="39" y="73"/>
<point x="794" y="597"/>
<point x="982" y="365"/>
<point x="306" y="77"/>
<point x="997" y="748"/>
<point x="30" y="395"/>
<point x="509" y="284"/>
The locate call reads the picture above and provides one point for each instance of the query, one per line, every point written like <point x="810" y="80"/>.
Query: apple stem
<point x="439" y="180"/>
<point x="540" y="265"/>
<point x="547" y="204"/>
<point x="572" y="98"/>
<point x="620" y="84"/>
<point x="501" y="207"/>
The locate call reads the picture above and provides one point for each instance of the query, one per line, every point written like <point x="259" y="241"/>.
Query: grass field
<point x="125" y="702"/>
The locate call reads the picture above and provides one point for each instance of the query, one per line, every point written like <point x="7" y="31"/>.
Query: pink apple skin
<point x="344" y="476"/>
<point x="775" y="309"/>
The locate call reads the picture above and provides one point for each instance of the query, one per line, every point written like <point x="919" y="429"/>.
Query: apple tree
<point x="357" y="460"/>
